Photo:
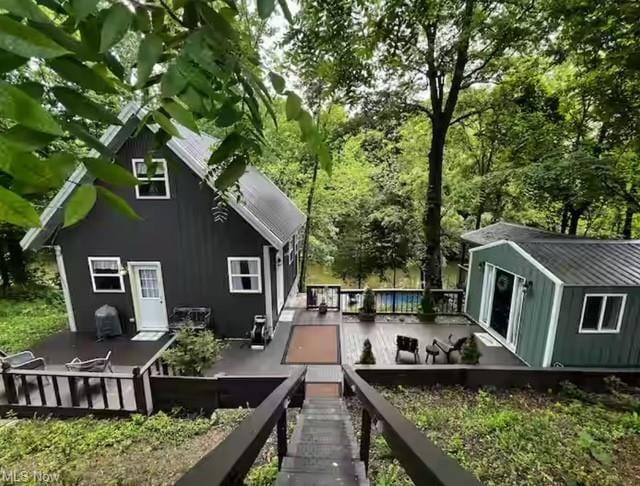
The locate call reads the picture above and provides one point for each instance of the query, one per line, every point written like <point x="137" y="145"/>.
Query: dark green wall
<point x="574" y="349"/>
<point x="537" y="304"/>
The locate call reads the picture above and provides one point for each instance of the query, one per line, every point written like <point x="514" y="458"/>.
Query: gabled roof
<point x="508" y="231"/>
<point x="589" y="262"/>
<point x="262" y="204"/>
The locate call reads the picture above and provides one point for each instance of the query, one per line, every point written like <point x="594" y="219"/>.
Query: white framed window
<point x="106" y="274"/>
<point x="244" y="275"/>
<point x="153" y="184"/>
<point x="291" y="251"/>
<point x="602" y="313"/>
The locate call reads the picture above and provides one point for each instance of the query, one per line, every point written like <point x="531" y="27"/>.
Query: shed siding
<point x="178" y="232"/>
<point x="574" y="349"/>
<point x="536" y="310"/>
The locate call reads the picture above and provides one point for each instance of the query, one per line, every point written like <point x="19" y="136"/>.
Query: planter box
<point x="365" y="317"/>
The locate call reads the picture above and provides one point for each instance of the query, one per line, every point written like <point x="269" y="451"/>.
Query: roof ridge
<point x="582" y="240"/>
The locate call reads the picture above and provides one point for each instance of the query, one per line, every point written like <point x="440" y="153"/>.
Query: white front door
<point x="280" y="279"/>
<point x="148" y="296"/>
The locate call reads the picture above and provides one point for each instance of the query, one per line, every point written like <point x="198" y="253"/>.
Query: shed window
<point x="244" y="275"/>
<point x="154" y="180"/>
<point x="105" y="274"/>
<point x="602" y="313"/>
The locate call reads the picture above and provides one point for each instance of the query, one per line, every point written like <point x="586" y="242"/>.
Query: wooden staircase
<point x="323" y="449"/>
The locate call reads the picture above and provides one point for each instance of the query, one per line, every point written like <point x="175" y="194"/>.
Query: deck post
<point x="282" y="437"/>
<point x="9" y="383"/>
<point x="365" y="438"/>
<point x="139" y="391"/>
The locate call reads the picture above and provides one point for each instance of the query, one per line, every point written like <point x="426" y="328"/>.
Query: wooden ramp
<point x="323" y="448"/>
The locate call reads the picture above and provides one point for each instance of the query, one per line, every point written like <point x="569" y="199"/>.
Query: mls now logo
<point x="9" y="476"/>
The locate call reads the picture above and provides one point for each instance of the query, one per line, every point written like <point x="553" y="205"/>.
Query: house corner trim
<point x="65" y="288"/>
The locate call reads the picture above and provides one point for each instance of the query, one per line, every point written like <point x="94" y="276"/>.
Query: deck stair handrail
<point x="231" y="460"/>
<point x="422" y="460"/>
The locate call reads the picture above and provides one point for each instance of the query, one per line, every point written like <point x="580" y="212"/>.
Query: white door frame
<point x="280" y="297"/>
<point x="135" y="293"/>
<point x="515" y="311"/>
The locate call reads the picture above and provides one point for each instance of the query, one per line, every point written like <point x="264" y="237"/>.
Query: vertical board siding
<point x="179" y="233"/>
<point x="575" y="349"/>
<point x="537" y="304"/>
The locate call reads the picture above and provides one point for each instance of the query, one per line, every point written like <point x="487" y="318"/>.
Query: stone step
<point x="342" y="467"/>
<point x="314" y="479"/>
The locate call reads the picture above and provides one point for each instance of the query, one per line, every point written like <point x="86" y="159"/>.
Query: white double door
<point x="502" y="301"/>
<point x="147" y="291"/>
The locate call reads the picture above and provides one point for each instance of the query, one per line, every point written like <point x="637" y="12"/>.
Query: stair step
<point x="314" y="479"/>
<point x="326" y="417"/>
<point x="319" y="465"/>
<point x="318" y="410"/>
<point x="328" y="451"/>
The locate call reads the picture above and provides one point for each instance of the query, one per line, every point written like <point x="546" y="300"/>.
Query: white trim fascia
<point x="92" y="275"/>
<point x="553" y="325"/>
<point x="231" y="275"/>
<point x="62" y="273"/>
<point x="175" y="145"/>
<point x="466" y="292"/>
<point x="266" y="262"/>
<point x="488" y="245"/>
<point x="545" y="271"/>
<point x="76" y="177"/>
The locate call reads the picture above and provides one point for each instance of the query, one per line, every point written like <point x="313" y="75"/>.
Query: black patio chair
<point x="409" y="345"/>
<point x="450" y="346"/>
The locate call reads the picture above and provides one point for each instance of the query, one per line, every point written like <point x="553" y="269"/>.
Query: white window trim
<point x="599" y="330"/>
<point x="231" y="275"/>
<point x="164" y="177"/>
<point x="92" y="274"/>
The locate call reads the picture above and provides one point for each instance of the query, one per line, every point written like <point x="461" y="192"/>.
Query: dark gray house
<point x="566" y="302"/>
<point x="180" y="254"/>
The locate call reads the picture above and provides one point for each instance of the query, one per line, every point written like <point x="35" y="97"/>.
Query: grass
<point x="140" y="450"/>
<point x="26" y="318"/>
<point x="518" y="438"/>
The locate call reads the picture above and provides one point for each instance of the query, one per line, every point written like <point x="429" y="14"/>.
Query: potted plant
<point x="367" y="356"/>
<point x="368" y="309"/>
<point x="470" y="352"/>
<point x="427" y="308"/>
<point x="194" y="351"/>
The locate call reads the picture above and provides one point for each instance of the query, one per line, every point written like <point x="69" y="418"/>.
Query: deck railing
<point x="422" y="460"/>
<point x="72" y="393"/>
<point x="388" y="301"/>
<point x="232" y="459"/>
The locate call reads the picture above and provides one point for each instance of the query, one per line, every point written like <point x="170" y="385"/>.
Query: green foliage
<point x="368" y="302"/>
<point x="519" y="437"/>
<point x="80" y="203"/>
<point x="470" y="352"/>
<point x="193" y="352"/>
<point x="103" y="450"/>
<point x="367" y="357"/>
<point x="25" y="321"/>
<point x="263" y="475"/>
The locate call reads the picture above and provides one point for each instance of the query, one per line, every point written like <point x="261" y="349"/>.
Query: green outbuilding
<point x="559" y="302"/>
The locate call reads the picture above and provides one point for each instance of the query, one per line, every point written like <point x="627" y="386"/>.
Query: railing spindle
<point x="119" y="387"/>
<point x="87" y="391"/>
<point x="73" y="391"/>
<point x="43" y="398"/>
<point x="103" y="387"/>
<point x="25" y="389"/>
<point x="56" y="390"/>
<point x="282" y="437"/>
<point x="365" y="438"/>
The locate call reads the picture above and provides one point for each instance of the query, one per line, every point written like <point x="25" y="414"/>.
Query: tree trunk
<point x="564" y="222"/>
<point x="627" y="227"/>
<point x="576" y="214"/>
<point x="479" y="214"/>
<point x="4" y="267"/>
<point x="307" y="228"/>
<point x="432" y="223"/>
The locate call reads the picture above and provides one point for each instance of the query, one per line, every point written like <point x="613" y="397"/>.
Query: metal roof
<point x="508" y="231"/>
<point x="588" y="262"/>
<point x="262" y="204"/>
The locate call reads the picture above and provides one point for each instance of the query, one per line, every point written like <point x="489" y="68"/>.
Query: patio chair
<point x="450" y="346"/>
<point x="97" y="365"/>
<point x="25" y="360"/>
<point x="409" y="345"/>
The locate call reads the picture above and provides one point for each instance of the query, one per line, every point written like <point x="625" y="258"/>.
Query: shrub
<point x="193" y="352"/>
<point x="369" y="302"/>
<point x="427" y="306"/>
<point x="470" y="352"/>
<point x="367" y="356"/>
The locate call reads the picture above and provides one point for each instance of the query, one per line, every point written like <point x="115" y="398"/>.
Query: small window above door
<point x="154" y="180"/>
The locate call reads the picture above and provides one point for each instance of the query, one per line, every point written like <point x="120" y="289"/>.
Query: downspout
<point x="65" y="286"/>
